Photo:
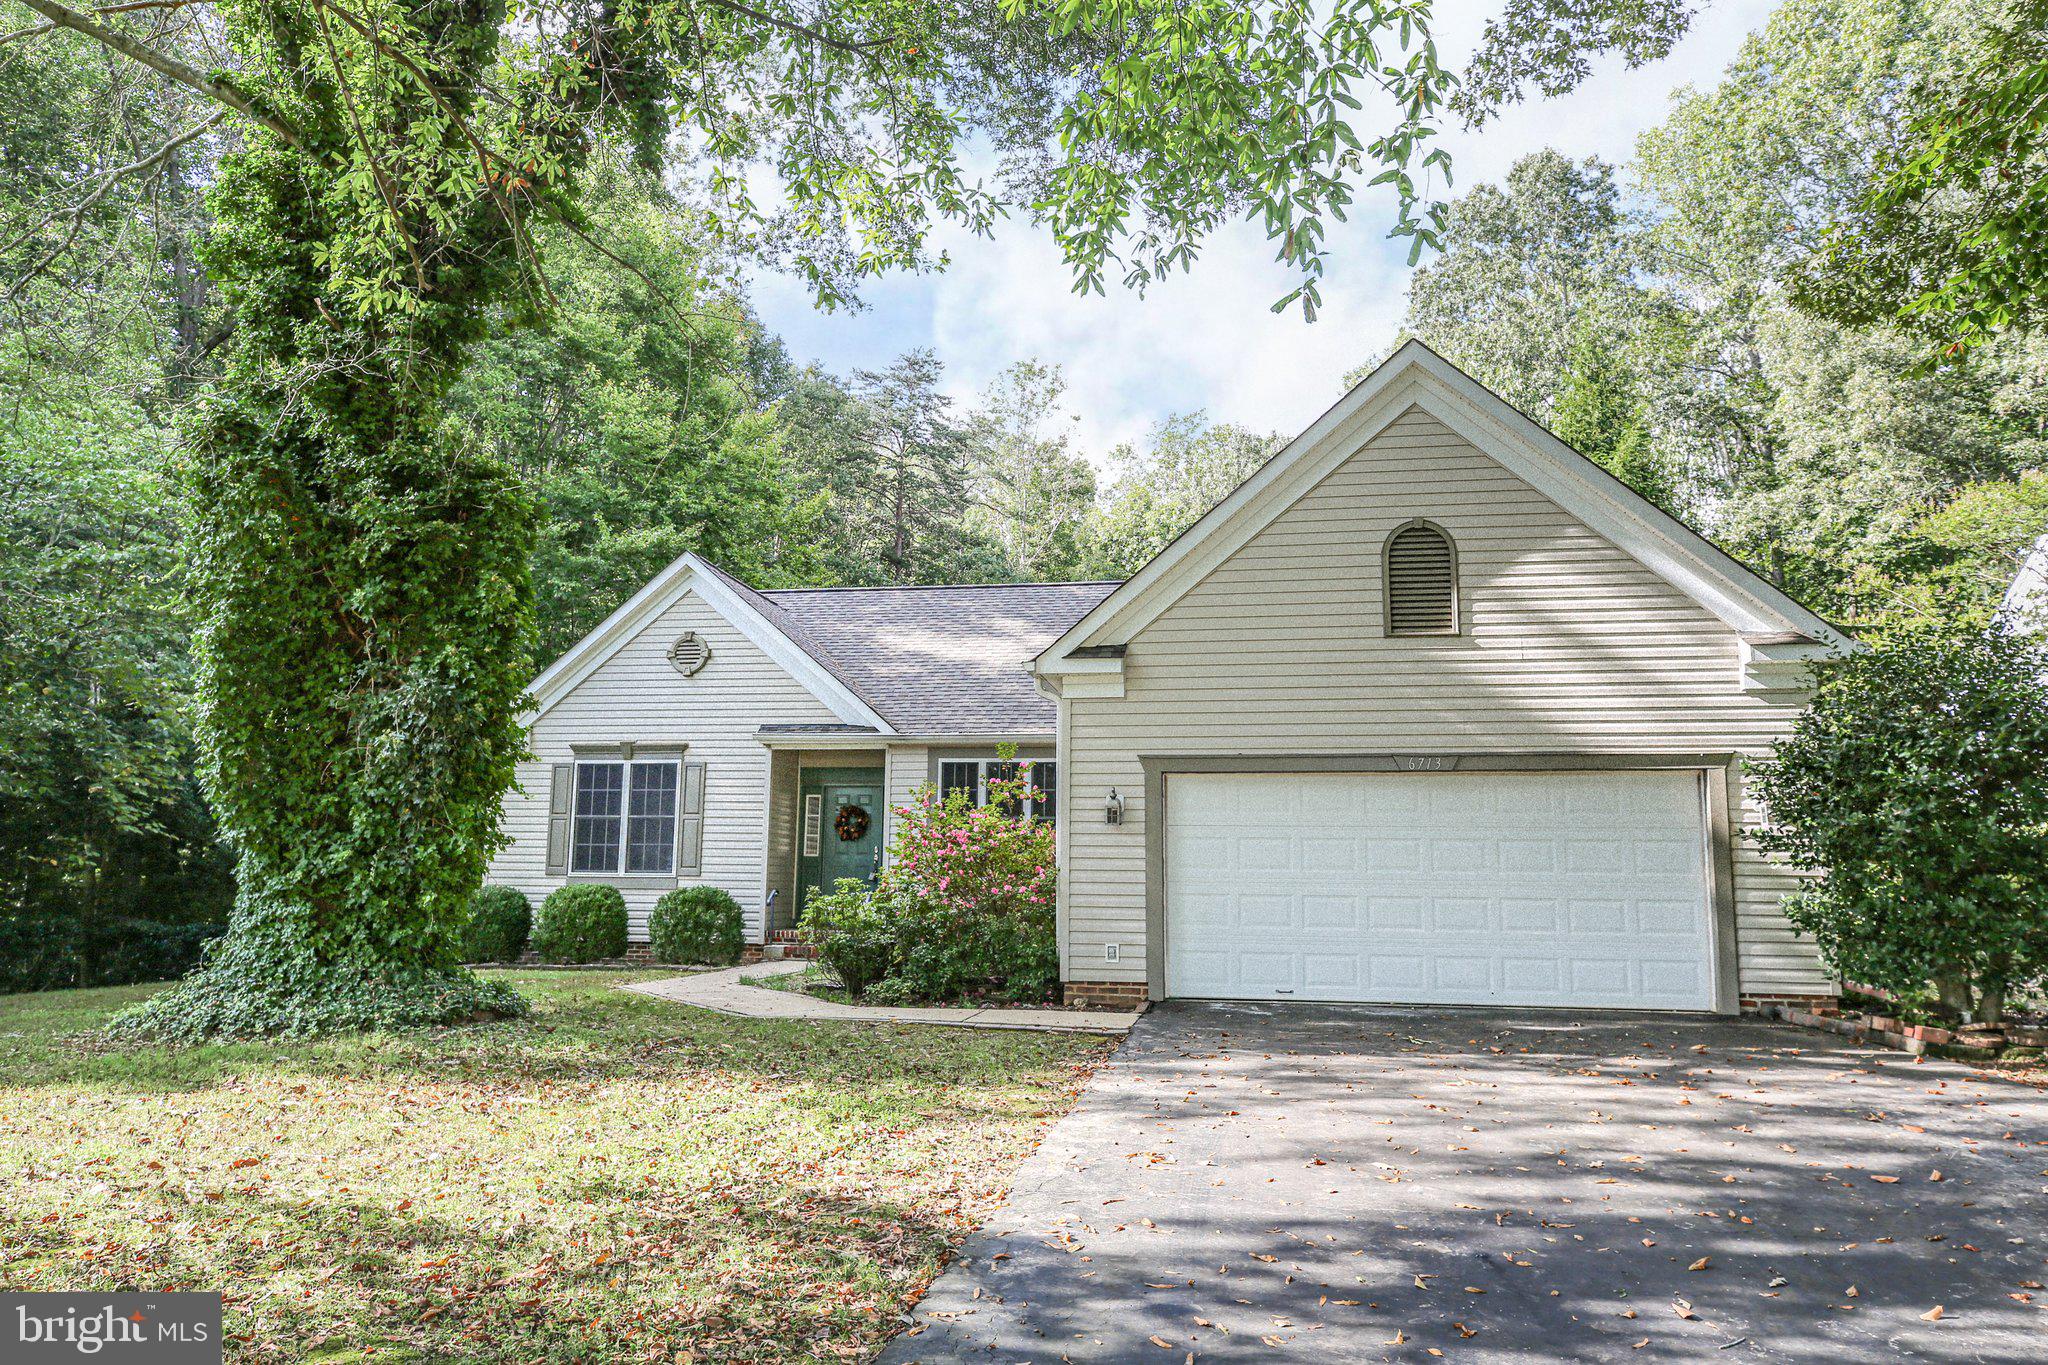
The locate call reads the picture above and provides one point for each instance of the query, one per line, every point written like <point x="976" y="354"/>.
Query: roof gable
<point x="1416" y="377"/>
<point x="731" y="600"/>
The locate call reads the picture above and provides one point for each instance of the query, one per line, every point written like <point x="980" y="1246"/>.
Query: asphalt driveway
<point x="1316" y="1183"/>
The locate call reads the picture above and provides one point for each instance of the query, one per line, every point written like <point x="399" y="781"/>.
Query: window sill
<point x="630" y="881"/>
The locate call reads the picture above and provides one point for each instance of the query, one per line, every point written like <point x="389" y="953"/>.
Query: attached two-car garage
<point x="1588" y="889"/>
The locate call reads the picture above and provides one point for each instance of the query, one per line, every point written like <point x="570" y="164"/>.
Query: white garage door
<point x="1585" y="889"/>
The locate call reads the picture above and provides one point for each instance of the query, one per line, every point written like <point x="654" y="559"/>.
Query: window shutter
<point x="690" y="823"/>
<point x="561" y="797"/>
<point x="1422" y="582"/>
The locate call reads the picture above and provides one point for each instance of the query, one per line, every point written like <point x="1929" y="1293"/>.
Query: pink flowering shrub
<point x="968" y="893"/>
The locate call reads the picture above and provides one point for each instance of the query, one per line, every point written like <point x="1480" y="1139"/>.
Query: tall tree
<point x="1162" y="487"/>
<point x="363" y="570"/>
<point x="1946" y="241"/>
<point x="1599" y="411"/>
<point x="1031" y="494"/>
<point x="635" y="421"/>
<point x="1521" y="265"/>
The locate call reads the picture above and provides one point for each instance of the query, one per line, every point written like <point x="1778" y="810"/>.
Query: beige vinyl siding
<point x="637" y="696"/>
<point x="1568" y="645"/>
<point x="909" y="768"/>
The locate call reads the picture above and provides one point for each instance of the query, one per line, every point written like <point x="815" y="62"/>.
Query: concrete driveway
<point x="1323" y="1183"/>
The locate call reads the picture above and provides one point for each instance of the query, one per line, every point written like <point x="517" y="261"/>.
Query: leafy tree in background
<point x="1948" y="242"/>
<point x="1600" y="413"/>
<point x="1521" y="265"/>
<point x="635" y="420"/>
<point x="1031" y="493"/>
<point x="1185" y="467"/>
<point x="101" y="821"/>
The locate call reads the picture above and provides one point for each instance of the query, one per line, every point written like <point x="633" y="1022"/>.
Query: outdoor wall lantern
<point x="1113" y="808"/>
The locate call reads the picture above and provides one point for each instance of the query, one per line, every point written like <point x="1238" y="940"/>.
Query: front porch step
<point x="782" y="950"/>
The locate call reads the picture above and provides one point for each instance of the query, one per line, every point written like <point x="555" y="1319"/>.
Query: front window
<point x="626" y="816"/>
<point x="973" y="776"/>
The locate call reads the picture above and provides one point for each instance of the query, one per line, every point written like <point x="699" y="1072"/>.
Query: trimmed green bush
<point x="583" y="923"/>
<point x="855" y="934"/>
<point x="500" y="922"/>
<point x="697" y="924"/>
<point x="1918" y="783"/>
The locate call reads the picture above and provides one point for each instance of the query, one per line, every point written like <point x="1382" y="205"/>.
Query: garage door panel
<point x="1541" y="889"/>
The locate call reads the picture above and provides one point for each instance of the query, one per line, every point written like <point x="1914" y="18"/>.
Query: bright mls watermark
<point x="148" y="1329"/>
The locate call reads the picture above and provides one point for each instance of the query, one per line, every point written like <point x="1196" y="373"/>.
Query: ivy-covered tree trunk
<point x="363" y="573"/>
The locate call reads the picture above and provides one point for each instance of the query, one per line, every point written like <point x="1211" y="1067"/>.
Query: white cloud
<point x="1208" y="339"/>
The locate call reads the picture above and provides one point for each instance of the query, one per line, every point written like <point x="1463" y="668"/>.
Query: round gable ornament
<point x="689" y="653"/>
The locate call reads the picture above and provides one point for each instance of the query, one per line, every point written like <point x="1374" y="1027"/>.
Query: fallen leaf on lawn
<point x="1886" y="1179"/>
<point x="1465" y="1331"/>
<point x="1850" y="1293"/>
<point x="1162" y="1343"/>
<point x="1641" y="1344"/>
<point x="1700" y="1264"/>
<point x="1683" y="1309"/>
<point x="1398" y="1338"/>
<point x="1932" y="1315"/>
<point x="1262" y="1256"/>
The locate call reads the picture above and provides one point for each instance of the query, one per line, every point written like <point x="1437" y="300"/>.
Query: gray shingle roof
<point x="935" y="661"/>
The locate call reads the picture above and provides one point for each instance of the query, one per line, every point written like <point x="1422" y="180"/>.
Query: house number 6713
<point x="1425" y="763"/>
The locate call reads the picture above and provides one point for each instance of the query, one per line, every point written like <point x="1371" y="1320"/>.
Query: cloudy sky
<point x="1208" y="340"/>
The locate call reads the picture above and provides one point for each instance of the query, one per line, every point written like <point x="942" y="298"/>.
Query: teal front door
<point x="841" y="830"/>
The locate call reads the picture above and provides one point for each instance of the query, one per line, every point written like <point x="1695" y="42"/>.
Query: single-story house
<point x="1431" y="709"/>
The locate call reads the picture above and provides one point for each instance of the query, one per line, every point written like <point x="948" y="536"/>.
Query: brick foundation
<point x="1107" y="995"/>
<point x="1806" y="1004"/>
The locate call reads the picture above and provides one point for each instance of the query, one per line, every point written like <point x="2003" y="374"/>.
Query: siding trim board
<point x="1719" y="772"/>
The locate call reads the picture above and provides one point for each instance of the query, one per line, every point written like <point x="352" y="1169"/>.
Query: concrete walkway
<point x="728" y="992"/>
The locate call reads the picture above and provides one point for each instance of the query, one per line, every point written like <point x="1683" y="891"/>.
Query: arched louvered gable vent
<point x="1421" y="581"/>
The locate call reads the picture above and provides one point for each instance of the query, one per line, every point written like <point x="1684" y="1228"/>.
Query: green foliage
<point x="962" y="909"/>
<point x="856" y="934"/>
<point x="697" y="924"/>
<point x="1185" y="467"/>
<point x="44" y="954"/>
<point x="500" y="922"/>
<point x="637" y="423"/>
<point x="1600" y="414"/>
<point x="1548" y="46"/>
<point x="1028" y="491"/>
<point x="1947" y="241"/>
<point x="584" y="922"/>
<point x="1919" y="782"/>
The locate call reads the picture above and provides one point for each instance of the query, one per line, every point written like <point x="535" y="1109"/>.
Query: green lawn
<point x="615" y="1179"/>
